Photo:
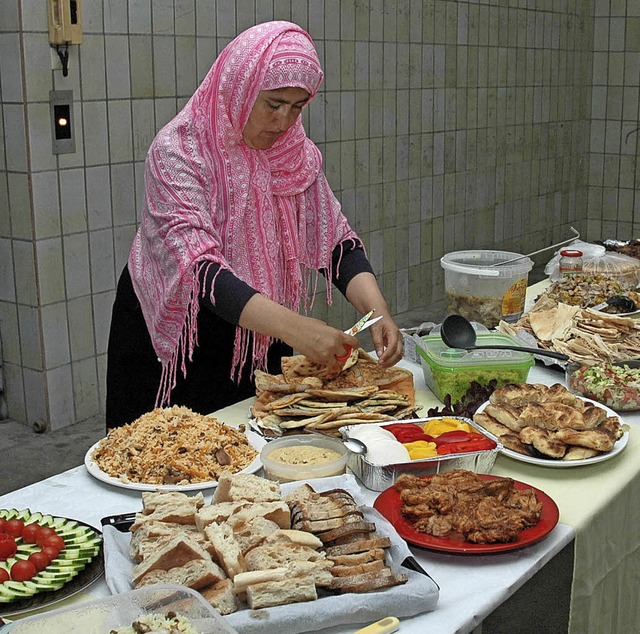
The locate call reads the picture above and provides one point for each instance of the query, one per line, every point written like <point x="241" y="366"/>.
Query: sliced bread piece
<point x="152" y="534"/>
<point x="355" y="559"/>
<point x="151" y="500"/>
<point x="253" y="532"/>
<point x="221" y="596"/>
<point x="303" y="492"/>
<point x="277" y="512"/>
<point x="270" y="593"/>
<point x="226" y="547"/>
<point x="217" y="513"/>
<point x="177" y="552"/>
<point x="358" y="546"/>
<point x="322" y="509"/>
<point x="195" y="574"/>
<point x="303" y="538"/>
<point x="275" y="555"/>
<point x="245" y="487"/>
<point x="320" y="526"/>
<point x="351" y="570"/>
<point x="352" y="528"/>
<point x="368" y="581"/>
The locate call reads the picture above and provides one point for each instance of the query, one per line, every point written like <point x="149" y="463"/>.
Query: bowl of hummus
<point x="303" y="456"/>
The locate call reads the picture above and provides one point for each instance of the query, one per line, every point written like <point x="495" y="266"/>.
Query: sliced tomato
<point x="30" y="532"/>
<point x="39" y="560"/>
<point x="8" y="546"/>
<point x="50" y="552"/>
<point x="54" y="540"/>
<point x="23" y="570"/>
<point x="43" y="533"/>
<point x="3" y="523"/>
<point x="14" y="527"/>
<point x="4" y="575"/>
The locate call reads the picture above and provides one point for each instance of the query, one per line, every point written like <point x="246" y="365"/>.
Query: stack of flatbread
<point x="586" y="335"/>
<point x="305" y="397"/>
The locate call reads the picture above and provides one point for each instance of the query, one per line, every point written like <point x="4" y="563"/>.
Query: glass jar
<point x="570" y="261"/>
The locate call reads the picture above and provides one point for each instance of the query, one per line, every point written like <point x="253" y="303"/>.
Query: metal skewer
<point x="553" y="246"/>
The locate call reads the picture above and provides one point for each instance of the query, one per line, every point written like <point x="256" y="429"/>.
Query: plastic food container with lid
<point x="482" y="289"/>
<point x="451" y="370"/>
<point x="301" y="460"/>
<point x="121" y="610"/>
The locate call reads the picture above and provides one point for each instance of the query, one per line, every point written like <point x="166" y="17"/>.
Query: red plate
<point x="388" y="504"/>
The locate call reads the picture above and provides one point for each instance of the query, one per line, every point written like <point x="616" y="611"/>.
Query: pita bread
<point x="297" y="366"/>
<point x="554" y="323"/>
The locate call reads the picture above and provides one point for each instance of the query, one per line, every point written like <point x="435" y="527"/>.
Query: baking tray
<point x="381" y="477"/>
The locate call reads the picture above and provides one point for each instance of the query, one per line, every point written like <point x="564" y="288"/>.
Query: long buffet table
<point x="598" y="509"/>
<point x="599" y="514"/>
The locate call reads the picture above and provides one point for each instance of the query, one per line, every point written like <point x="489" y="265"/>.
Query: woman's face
<point x="273" y="113"/>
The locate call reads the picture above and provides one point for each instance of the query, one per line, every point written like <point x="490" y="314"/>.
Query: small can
<point x="570" y="261"/>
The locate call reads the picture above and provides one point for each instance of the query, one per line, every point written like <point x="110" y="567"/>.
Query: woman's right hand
<point x="320" y="342"/>
<point x="312" y="337"/>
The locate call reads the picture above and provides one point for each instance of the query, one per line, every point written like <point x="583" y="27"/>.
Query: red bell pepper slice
<point x="480" y="444"/>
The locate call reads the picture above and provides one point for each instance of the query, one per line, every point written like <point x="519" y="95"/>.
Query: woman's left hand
<point x="387" y="341"/>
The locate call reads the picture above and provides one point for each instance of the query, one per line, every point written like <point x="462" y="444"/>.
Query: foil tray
<point x="381" y="477"/>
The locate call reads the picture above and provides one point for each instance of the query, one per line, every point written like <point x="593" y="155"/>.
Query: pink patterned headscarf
<point x="265" y="215"/>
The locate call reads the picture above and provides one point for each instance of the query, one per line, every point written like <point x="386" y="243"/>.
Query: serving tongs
<point x="576" y="236"/>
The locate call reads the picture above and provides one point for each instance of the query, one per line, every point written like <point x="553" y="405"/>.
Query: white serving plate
<point x="255" y="440"/>
<point x="550" y="462"/>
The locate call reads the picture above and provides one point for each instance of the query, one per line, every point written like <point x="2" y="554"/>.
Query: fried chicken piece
<point x="500" y="488"/>
<point x="502" y="535"/>
<point x="459" y="480"/>
<point x="525" y="502"/>
<point x="408" y="481"/>
<point x="436" y="525"/>
<point x="441" y="501"/>
<point x="417" y="511"/>
<point x="544" y="441"/>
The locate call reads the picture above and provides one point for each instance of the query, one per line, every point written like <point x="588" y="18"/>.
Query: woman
<point x="239" y="220"/>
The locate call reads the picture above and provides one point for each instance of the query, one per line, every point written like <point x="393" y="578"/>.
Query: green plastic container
<point x="451" y="371"/>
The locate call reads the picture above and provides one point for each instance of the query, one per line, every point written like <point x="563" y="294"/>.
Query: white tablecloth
<point x="471" y="587"/>
<point x="598" y="503"/>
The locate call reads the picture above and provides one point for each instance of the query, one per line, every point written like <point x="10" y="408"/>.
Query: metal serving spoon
<point x="352" y="444"/>
<point x="458" y="332"/>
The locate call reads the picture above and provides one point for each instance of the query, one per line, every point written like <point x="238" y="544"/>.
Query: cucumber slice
<point x="34" y="518"/>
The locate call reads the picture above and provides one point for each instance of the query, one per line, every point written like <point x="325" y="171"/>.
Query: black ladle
<point x="458" y="332"/>
<point x="622" y="303"/>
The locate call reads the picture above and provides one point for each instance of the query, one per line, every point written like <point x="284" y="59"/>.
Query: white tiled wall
<point x="444" y="124"/>
<point x="614" y="197"/>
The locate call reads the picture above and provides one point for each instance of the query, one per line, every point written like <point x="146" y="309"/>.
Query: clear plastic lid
<point x="436" y="352"/>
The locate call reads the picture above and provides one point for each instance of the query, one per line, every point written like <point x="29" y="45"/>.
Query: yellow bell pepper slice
<point x="441" y="425"/>
<point x="420" y="449"/>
